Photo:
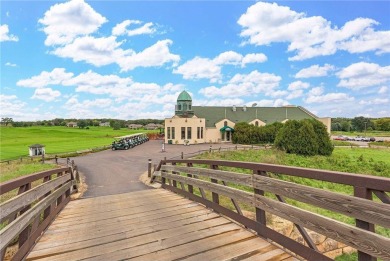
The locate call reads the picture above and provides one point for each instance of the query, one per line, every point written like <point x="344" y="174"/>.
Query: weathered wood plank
<point x="237" y="178"/>
<point x="8" y="233"/>
<point x="363" y="240"/>
<point x="224" y="190"/>
<point x="367" y="210"/>
<point x="134" y="246"/>
<point x="230" y="252"/>
<point x="273" y="255"/>
<point x="14" y="204"/>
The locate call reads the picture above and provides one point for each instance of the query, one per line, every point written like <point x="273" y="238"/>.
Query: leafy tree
<point x="116" y="125"/>
<point x="7" y="121"/>
<point x="306" y="137"/>
<point x="82" y="124"/>
<point x="382" y="124"/>
<point x="361" y="123"/>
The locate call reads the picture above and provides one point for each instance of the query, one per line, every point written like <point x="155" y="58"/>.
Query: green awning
<point x="226" y="128"/>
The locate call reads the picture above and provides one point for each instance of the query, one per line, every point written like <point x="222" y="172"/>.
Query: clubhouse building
<point x="213" y="124"/>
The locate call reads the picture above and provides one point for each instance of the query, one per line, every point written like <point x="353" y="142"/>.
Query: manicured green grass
<point x="17" y="169"/>
<point x="15" y="141"/>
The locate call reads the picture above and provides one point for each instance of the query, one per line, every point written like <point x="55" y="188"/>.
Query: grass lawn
<point x="15" y="141"/>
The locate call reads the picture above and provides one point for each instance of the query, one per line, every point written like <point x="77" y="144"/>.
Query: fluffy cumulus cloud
<point x="55" y="77"/>
<point x="122" y="28"/>
<point x="298" y="85"/>
<point x="5" y="35"/>
<point x="245" y="85"/>
<point x="362" y="75"/>
<point x="375" y="101"/>
<point x="317" y="95"/>
<point x="70" y="29"/>
<point x="46" y="94"/>
<point x="63" y="22"/>
<point x="309" y="36"/>
<point x="315" y="71"/>
<point x="205" y="68"/>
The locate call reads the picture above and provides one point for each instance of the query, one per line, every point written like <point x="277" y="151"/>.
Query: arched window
<point x="225" y="123"/>
<point x="189" y="107"/>
<point x="257" y="123"/>
<point x="179" y="107"/>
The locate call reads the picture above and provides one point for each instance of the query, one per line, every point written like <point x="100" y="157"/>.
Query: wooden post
<point x="149" y="168"/>
<point x="215" y="196"/>
<point x="43" y="158"/>
<point x="260" y="213"/>
<point x="56" y="158"/>
<point x="366" y="194"/>
<point x="182" y="155"/>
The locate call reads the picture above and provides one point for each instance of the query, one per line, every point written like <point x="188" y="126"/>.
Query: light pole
<point x="365" y="128"/>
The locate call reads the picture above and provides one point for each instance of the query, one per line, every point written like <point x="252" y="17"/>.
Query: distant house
<point x="104" y="124"/>
<point x="71" y="124"/>
<point x="153" y="126"/>
<point x="135" y="126"/>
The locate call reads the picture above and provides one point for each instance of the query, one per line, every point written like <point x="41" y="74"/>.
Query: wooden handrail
<point x="31" y="211"/>
<point x="359" y="206"/>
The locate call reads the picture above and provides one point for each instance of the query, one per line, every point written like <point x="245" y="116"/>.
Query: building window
<point x="201" y="132"/>
<point x="179" y="107"/>
<point x="183" y="133"/>
<point x="225" y="123"/>
<point x="184" y="106"/>
<point x="169" y="132"/>
<point x="198" y="133"/>
<point x="189" y="130"/>
<point x="189" y="107"/>
<point x="257" y="123"/>
<point x="173" y="132"/>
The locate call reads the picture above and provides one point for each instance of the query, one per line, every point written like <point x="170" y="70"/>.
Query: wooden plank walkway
<point x="148" y="225"/>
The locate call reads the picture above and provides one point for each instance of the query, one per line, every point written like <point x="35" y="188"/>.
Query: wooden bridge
<point x="201" y="220"/>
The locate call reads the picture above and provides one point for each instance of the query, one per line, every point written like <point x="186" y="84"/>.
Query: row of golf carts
<point x="130" y="141"/>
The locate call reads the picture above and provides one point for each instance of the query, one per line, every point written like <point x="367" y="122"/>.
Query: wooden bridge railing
<point x="25" y="216"/>
<point x="182" y="177"/>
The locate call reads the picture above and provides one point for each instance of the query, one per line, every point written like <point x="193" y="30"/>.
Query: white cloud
<point x="46" y="94"/>
<point x="375" y="101"/>
<point x="245" y="85"/>
<point x="294" y="94"/>
<point x="10" y="64"/>
<point x="316" y="95"/>
<point x="362" y="75"/>
<point x="5" y="36"/>
<point x="383" y="90"/>
<point x="66" y="21"/>
<point x="121" y="28"/>
<point x="309" y="36"/>
<point x="220" y="102"/>
<point x="56" y="76"/>
<point x="155" y="55"/>
<point x="200" y="68"/>
<point x="298" y="85"/>
<point x="254" y="58"/>
<point x="269" y="103"/>
<point x="315" y="71"/>
<point x="205" y="68"/>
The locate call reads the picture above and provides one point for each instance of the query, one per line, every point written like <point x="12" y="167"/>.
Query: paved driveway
<point x="115" y="172"/>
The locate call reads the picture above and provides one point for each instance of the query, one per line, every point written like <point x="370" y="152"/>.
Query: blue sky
<point x="130" y="59"/>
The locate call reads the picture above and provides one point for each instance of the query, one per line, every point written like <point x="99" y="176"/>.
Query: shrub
<point x="306" y="137"/>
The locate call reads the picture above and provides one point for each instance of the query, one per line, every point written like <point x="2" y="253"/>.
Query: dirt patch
<point x="146" y="180"/>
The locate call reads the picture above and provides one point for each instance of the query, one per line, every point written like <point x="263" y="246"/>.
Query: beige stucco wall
<point x="178" y="123"/>
<point x="328" y="123"/>
<point x="261" y="123"/>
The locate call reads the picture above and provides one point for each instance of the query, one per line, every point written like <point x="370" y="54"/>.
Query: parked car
<point x="340" y="137"/>
<point x="372" y="139"/>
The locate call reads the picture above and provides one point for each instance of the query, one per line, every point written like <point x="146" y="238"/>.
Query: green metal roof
<point x="266" y="114"/>
<point x="184" y="96"/>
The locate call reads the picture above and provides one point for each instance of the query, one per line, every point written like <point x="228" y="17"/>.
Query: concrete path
<point x="114" y="172"/>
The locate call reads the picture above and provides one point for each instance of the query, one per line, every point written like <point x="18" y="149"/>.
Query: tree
<point x="7" y="121"/>
<point x="306" y="137"/>
<point x="82" y="124"/>
<point x="116" y="125"/>
<point x="382" y="124"/>
<point x="361" y="123"/>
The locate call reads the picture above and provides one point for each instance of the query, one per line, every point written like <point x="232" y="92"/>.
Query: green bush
<point x="306" y="137"/>
<point x="245" y="133"/>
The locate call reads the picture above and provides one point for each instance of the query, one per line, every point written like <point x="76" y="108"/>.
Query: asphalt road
<point x="114" y="172"/>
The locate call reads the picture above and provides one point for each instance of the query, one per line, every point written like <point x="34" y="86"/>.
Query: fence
<point x="27" y="214"/>
<point x="360" y="206"/>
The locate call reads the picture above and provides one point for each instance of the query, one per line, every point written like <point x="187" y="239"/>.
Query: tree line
<point x="360" y="124"/>
<point x="83" y="123"/>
